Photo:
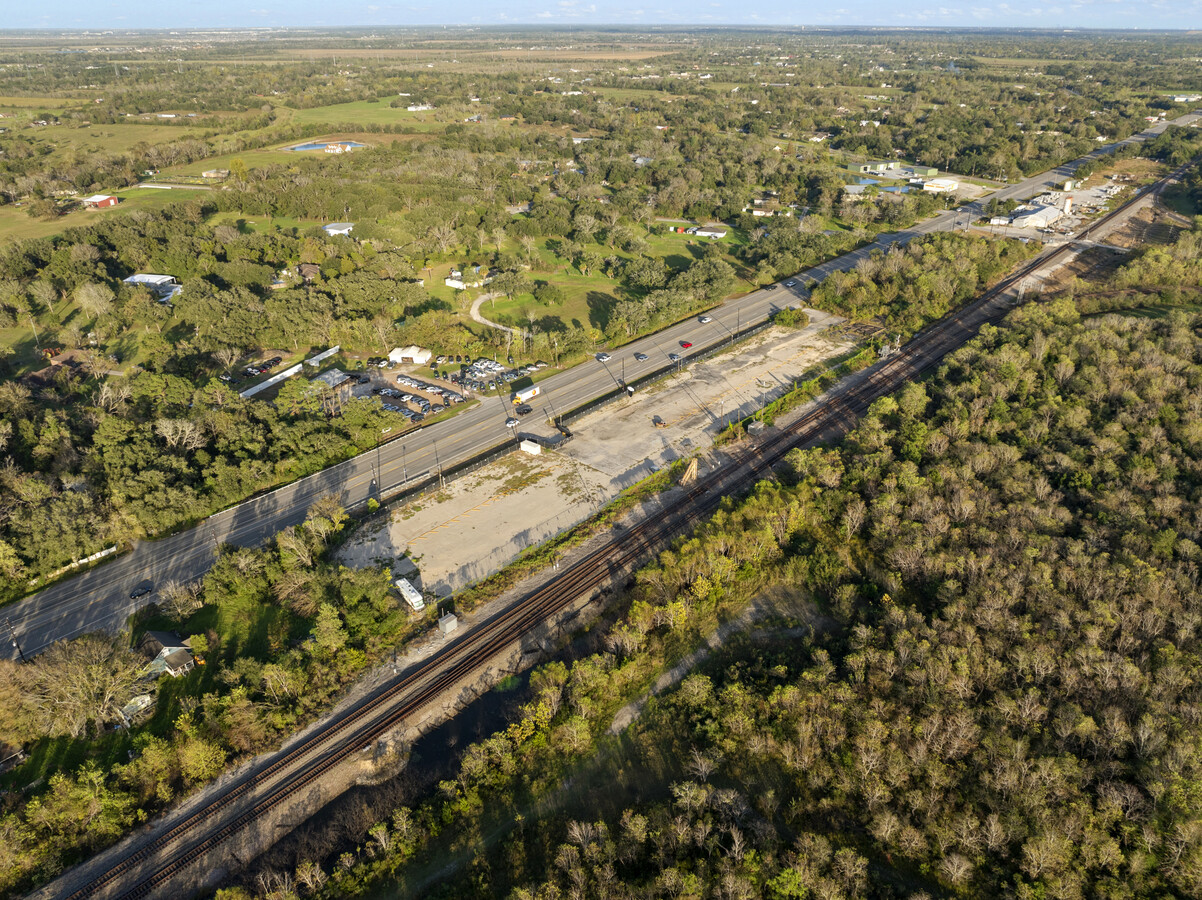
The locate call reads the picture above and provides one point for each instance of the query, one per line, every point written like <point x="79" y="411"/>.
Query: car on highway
<point x="686" y="344"/>
<point x="141" y="590"/>
<point x="705" y="320"/>
<point x="511" y="422"/>
<point x="524" y="410"/>
<point x="790" y="283"/>
<point x="641" y="357"/>
<point x="603" y="357"/>
<point x="675" y="357"/>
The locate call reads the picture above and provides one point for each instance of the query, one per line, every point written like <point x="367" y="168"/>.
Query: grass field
<point x="362" y="112"/>
<point x="112" y="138"/>
<point x="589" y="298"/>
<point x="27" y="103"/>
<point x="16" y="224"/>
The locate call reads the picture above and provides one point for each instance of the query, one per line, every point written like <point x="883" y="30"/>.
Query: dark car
<point x="141" y="590"/>
<point x="524" y="410"/>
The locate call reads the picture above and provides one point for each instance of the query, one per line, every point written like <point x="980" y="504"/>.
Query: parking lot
<point x="483" y="520"/>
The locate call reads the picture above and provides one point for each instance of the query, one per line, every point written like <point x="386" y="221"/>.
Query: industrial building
<point x="1036" y="217"/>
<point x="164" y="287"/>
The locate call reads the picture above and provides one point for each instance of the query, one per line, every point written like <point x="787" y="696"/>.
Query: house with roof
<point x="169" y="655"/>
<point x="338" y="228"/>
<point x="99" y="201"/>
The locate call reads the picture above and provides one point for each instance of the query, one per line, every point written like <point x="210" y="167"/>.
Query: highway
<point x="99" y="598"/>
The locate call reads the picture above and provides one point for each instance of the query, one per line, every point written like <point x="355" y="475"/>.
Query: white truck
<point x="526" y="394"/>
<point x="411" y="594"/>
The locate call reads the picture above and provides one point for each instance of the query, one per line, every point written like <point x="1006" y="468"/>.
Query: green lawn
<point x="363" y="112"/>
<point x="16" y="224"/>
<point x="589" y="297"/>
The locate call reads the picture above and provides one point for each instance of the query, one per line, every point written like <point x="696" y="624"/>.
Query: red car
<point x="685" y="344"/>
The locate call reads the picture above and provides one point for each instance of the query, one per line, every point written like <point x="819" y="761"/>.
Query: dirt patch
<point x="482" y="521"/>
<point x="681" y="415"/>
<point x="1148" y="226"/>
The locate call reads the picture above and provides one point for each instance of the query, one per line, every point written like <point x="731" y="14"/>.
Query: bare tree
<point x="180" y="433"/>
<point x="81" y="684"/>
<point x="179" y="600"/>
<point x="95" y="299"/>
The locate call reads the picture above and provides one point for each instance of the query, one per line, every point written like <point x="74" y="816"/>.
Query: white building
<point x="338" y="228"/>
<point x="1036" y="217"/>
<point x="164" y="287"/>
<point x="941" y="186"/>
<point x="413" y="354"/>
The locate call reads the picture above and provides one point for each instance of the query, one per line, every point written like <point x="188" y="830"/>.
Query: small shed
<point x="534" y="448"/>
<point x="338" y="228"/>
<point x="448" y="622"/>
<point x="99" y="201"/>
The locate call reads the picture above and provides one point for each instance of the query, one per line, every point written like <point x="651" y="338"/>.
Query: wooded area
<point x="998" y="701"/>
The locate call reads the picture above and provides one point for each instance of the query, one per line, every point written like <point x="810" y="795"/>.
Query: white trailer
<point x="527" y="394"/>
<point x="412" y="596"/>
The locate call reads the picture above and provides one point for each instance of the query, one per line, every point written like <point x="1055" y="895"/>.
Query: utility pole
<point x="13" y="635"/>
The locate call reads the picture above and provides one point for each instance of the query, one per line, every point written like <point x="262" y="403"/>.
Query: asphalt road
<point x="99" y="598"/>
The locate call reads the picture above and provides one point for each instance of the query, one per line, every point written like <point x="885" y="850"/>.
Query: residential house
<point x="168" y="654"/>
<point x="309" y="271"/>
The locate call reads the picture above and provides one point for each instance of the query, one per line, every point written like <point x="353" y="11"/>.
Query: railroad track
<point x="206" y="828"/>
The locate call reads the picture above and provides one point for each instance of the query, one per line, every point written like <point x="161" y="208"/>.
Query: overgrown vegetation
<point x="975" y="726"/>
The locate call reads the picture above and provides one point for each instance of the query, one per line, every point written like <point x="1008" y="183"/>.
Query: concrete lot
<point x="482" y="521"/>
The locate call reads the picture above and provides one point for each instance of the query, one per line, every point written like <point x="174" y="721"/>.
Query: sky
<point x="101" y="14"/>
